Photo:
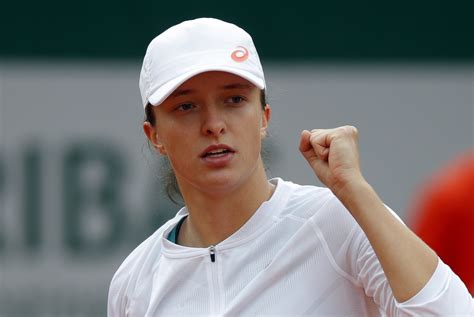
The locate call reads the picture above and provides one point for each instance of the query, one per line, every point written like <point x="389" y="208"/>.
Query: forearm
<point x="406" y="260"/>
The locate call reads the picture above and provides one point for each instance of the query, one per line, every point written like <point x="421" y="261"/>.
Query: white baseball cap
<point x="193" y="47"/>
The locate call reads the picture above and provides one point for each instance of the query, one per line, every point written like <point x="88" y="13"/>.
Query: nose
<point x="213" y="123"/>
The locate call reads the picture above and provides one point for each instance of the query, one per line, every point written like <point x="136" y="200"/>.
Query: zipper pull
<point x="212" y="253"/>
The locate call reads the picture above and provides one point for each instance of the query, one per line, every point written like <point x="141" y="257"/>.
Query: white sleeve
<point x="116" y="302"/>
<point x="443" y="295"/>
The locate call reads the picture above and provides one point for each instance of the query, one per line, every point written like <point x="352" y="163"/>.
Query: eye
<point x="235" y="100"/>
<point x="184" y="107"/>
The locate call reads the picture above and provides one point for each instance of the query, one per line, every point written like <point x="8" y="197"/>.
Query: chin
<point x="220" y="183"/>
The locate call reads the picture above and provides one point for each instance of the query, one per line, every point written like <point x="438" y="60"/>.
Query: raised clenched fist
<point x="333" y="154"/>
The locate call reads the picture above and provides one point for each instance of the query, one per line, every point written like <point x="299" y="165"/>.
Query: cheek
<point x="253" y="137"/>
<point x="176" y="143"/>
<point x="179" y="157"/>
<point x="170" y="133"/>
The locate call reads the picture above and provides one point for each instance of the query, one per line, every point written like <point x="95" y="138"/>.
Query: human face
<point x="211" y="129"/>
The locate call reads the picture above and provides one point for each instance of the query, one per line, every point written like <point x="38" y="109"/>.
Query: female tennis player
<point x="244" y="245"/>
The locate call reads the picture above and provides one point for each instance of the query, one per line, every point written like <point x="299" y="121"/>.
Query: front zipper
<point x="215" y="292"/>
<point x="212" y="253"/>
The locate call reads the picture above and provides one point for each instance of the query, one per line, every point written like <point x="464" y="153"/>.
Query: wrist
<point x="354" y="191"/>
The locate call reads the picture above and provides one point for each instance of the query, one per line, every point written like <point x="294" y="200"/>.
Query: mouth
<point x="215" y="151"/>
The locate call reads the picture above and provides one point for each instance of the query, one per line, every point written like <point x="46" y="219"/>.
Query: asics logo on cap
<point x="240" y="54"/>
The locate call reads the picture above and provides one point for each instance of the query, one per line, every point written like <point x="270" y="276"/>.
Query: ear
<point x="265" y="119"/>
<point x="152" y="135"/>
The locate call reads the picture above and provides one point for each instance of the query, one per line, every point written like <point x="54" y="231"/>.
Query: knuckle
<point x="355" y="131"/>
<point x="350" y="130"/>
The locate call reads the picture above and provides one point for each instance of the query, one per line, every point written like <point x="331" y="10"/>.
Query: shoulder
<point x="139" y="255"/>
<point x="309" y="201"/>
<point x="329" y="222"/>
<point x="320" y="208"/>
<point x="140" y="262"/>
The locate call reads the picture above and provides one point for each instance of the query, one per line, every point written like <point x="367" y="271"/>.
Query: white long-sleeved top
<point x="301" y="253"/>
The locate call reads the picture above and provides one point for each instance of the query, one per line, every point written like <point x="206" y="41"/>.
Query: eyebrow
<point x="184" y="92"/>
<point x="236" y="86"/>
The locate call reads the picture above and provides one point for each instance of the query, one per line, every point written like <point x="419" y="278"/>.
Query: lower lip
<point x="218" y="161"/>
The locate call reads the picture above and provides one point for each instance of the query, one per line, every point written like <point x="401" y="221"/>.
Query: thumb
<point x="305" y="146"/>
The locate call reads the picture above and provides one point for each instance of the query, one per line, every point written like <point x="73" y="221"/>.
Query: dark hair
<point x="172" y="188"/>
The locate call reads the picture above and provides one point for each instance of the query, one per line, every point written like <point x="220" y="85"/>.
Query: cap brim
<point x="167" y="89"/>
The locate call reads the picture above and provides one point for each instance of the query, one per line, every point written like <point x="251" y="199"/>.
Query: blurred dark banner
<point x="316" y="30"/>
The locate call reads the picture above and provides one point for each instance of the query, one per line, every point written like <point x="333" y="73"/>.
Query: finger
<point x="306" y="148"/>
<point x="321" y="140"/>
<point x="322" y="136"/>
<point x="305" y="144"/>
<point x="321" y="152"/>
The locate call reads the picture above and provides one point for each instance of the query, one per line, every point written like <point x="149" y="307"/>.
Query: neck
<point x="214" y="217"/>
